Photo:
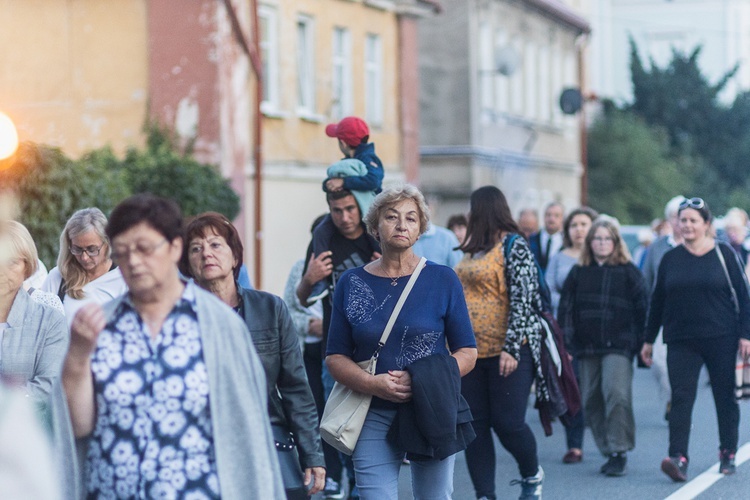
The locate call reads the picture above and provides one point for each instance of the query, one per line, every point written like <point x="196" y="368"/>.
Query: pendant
<point x="394" y="282"/>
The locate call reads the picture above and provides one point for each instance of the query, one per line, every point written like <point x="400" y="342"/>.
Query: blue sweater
<point x="434" y="312"/>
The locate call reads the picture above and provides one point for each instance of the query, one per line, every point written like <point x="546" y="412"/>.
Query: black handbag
<point x="286" y="448"/>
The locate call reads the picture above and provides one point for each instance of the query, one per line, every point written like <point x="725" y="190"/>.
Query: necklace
<point x="394" y="281"/>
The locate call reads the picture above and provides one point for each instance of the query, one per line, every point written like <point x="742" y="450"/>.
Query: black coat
<point x="436" y="422"/>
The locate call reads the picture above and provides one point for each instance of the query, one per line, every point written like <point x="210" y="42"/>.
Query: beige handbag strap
<point x="397" y="309"/>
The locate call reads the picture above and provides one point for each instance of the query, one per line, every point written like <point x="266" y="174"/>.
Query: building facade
<point x="88" y="73"/>
<point x="492" y="72"/>
<point x="722" y="28"/>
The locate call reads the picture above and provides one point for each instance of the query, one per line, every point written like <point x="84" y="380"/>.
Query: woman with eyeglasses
<point x="602" y="312"/>
<point x="701" y="300"/>
<point x="85" y="271"/>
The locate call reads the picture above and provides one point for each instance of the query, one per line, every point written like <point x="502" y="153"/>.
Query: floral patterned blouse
<point x="153" y="436"/>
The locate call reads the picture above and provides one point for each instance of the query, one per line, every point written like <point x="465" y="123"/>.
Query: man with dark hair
<point x="350" y="247"/>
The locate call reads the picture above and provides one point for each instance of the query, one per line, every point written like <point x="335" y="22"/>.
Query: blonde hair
<point x="16" y="242"/>
<point x="392" y="196"/>
<point x="81" y="222"/>
<point x="620" y="254"/>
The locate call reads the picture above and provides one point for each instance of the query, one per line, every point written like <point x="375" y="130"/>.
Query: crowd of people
<point x="152" y="369"/>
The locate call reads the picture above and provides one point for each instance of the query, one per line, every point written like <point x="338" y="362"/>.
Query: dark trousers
<point x="684" y="361"/>
<point x="577" y="425"/>
<point x="313" y="358"/>
<point x="499" y="404"/>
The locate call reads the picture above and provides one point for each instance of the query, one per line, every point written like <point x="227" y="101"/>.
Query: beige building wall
<point x="73" y="74"/>
<point x="296" y="150"/>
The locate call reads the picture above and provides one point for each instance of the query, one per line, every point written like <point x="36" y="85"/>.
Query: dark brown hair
<point x="590" y="212"/>
<point x="489" y="215"/>
<point x="204" y="224"/>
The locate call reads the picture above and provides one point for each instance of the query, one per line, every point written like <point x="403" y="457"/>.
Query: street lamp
<point x="8" y="137"/>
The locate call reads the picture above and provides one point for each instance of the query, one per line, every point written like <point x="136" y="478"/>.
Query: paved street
<point x="644" y="478"/>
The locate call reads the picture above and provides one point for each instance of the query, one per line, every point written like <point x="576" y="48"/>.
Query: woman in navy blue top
<point x="701" y="299"/>
<point x="433" y="321"/>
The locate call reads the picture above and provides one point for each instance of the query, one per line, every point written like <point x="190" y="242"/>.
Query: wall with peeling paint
<point x="74" y="74"/>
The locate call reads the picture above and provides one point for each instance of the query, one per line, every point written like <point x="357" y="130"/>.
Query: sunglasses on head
<point x="696" y="203"/>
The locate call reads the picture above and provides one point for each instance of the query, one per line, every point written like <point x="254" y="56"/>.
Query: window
<point x="341" y="78"/>
<point x="502" y="90"/>
<point x="305" y="66"/>
<point x="374" y="80"/>
<point x="269" y="54"/>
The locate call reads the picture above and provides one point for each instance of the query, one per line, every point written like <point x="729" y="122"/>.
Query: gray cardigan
<point x="34" y="345"/>
<point x="246" y="458"/>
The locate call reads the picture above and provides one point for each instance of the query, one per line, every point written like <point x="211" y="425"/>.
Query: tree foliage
<point x="630" y="167"/>
<point x="50" y="186"/>
<point x="706" y="141"/>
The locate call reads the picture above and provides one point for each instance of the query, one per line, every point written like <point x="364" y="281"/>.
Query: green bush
<point x="50" y="186"/>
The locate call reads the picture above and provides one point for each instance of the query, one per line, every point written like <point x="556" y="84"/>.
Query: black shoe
<point x="675" y="468"/>
<point x="617" y="464"/>
<point x="727" y="466"/>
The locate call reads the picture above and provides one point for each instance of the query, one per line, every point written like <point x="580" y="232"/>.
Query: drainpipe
<point x="253" y="54"/>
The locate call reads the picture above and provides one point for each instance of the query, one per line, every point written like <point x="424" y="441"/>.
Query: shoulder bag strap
<point x="735" y="301"/>
<point x="399" y="305"/>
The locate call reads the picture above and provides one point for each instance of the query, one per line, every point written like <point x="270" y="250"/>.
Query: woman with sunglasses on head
<point x="701" y="300"/>
<point x="602" y="312"/>
<point x="85" y="271"/>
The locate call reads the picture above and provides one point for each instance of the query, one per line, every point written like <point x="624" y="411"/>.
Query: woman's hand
<point x="646" y="352"/>
<point x="84" y="330"/>
<point x="316" y="476"/>
<point x="394" y="386"/>
<point x="744" y="348"/>
<point x="508" y="364"/>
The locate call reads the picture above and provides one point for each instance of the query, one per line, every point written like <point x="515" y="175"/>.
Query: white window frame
<point x="486" y="67"/>
<point x="269" y="53"/>
<point x="374" y="79"/>
<point x="305" y="66"/>
<point x="544" y="83"/>
<point x="531" y="97"/>
<point x="341" y="73"/>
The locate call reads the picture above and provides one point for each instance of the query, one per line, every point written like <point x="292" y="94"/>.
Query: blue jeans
<point x="377" y="463"/>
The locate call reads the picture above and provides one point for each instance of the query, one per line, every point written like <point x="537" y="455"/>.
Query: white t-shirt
<point x="100" y="291"/>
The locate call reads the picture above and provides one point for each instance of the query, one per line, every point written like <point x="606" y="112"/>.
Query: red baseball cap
<point x="351" y="130"/>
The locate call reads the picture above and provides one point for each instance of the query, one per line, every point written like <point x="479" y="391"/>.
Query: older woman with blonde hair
<point x="603" y="312"/>
<point x="432" y="330"/>
<point x="33" y="336"/>
<point x="85" y="271"/>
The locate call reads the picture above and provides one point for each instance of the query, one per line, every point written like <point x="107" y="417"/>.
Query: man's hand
<point x="318" y="268"/>
<point x="335" y="184"/>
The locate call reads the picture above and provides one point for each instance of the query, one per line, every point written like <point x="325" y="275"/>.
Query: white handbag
<point x="345" y="411"/>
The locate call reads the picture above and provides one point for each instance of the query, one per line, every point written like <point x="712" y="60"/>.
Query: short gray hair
<point x="390" y="197"/>
<point x="673" y="206"/>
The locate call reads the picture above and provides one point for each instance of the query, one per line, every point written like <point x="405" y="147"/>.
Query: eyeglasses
<point x="91" y="250"/>
<point x="696" y="203"/>
<point x="605" y="239"/>
<point x="140" y="249"/>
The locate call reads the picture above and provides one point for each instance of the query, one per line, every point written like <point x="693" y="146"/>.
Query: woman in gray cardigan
<point x="33" y="336"/>
<point x="213" y="258"/>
